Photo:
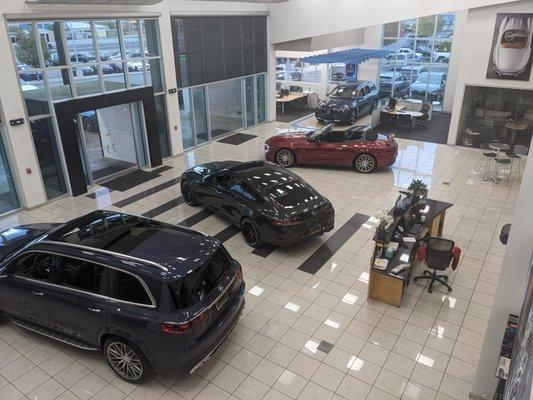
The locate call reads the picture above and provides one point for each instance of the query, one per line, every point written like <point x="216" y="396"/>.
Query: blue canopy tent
<point x="348" y="57"/>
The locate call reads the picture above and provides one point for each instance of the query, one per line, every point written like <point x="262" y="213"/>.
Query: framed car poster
<point x="510" y="55"/>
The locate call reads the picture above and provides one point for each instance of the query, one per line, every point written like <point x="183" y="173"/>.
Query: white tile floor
<point x="427" y="349"/>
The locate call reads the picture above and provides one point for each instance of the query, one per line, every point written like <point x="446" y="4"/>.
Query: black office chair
<point x="424" y="118"/>
<point x="439" y="256"/>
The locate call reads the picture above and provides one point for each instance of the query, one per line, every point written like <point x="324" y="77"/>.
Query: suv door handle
<point x="37" y="293"/>
<point x="94" y="310"/>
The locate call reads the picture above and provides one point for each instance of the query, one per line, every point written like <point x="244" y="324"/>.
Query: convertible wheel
<point x="364" y="163"/>
<point x="126" y="360"/>
<point x="285" y="158"/>
<point x="188" y="194"/>
<point x="250" y="233"/>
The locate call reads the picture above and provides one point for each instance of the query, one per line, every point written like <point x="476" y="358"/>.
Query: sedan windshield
<point x="344" y="93"/>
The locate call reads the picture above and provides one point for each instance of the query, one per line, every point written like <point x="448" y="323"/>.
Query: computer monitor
<point x="278" y="85"/>
<point x="296" y="88"/>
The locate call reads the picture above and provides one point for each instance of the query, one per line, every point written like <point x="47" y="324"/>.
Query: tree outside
<point x="26" y="48"/>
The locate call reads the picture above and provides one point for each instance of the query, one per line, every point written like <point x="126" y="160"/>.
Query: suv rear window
<point x="194" y="287"/>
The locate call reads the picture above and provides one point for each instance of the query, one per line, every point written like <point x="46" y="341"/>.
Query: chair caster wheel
<point x="449" y="289"/>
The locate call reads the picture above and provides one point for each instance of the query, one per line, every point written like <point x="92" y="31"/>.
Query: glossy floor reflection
<point x="305" y="336"/>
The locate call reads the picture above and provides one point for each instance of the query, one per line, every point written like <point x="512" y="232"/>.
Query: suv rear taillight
<point x="173" y="328"/>
<point x="238" y="275"/>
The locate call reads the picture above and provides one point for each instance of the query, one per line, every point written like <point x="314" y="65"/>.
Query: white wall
<point x="297" y="19"/>
<point x="475" y="53"/>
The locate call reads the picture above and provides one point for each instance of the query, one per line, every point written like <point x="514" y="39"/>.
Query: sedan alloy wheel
<point x="250" y="234"/>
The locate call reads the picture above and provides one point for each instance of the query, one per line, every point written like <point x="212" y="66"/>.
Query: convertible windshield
<point x="311" y="136"/>
<point x="344" y="93"/>
<point x="425" y="78"/>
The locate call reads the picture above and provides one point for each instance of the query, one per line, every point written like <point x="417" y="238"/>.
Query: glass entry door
<point x="8" y="195"/>
<point x="112" y="141"/>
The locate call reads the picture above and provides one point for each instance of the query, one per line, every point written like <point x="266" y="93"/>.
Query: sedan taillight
<point x="284" y="222"/>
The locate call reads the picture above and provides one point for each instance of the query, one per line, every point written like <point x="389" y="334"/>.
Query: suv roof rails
<point x="108" y="252"/>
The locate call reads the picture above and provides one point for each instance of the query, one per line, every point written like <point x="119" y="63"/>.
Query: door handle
<point x="37" y="293"/>
<point x="94" y="310"/>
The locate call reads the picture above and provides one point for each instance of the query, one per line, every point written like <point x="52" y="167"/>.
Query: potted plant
<point x="418" y="189"/>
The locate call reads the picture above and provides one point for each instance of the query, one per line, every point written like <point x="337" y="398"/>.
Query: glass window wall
<point x="209" y="111"/>
<point x="59" y="60"/>
<point x="292" y="69"/>
<point x="496" y="114"/>
<point x="417" y="68"/>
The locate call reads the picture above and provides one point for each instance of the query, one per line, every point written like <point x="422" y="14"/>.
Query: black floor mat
<point x="238" y="138"/>
<point x="112" y="169"/>
<point x="133" y="179"/>
<point x="436" y="132"/>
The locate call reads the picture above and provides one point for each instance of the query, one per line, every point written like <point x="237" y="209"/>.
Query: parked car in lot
<point x="82" y="57"/>
<point x="411" y="72"/>
<point x="347" y="102"/>
<point x="358" y="147"/>
<point x="388" y="80"/>
<point x="268" y="203"/>
<point x="27" y="73"/>
<point x="432" y="82"/>
<point x="441" y="56"/>
<point x="152" y="296"/>
<point x="512" y="50"/>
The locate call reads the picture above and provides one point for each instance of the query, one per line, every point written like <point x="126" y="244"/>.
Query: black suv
<point x="154" y="297"/>
<point x="347" y="102"/>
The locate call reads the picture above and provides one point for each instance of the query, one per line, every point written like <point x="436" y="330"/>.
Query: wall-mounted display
<point x="510" y="55"/>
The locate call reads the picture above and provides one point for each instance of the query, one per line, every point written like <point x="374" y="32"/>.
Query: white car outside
<point x="513" y="46"/>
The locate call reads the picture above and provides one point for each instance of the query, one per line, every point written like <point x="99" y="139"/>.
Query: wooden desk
<point x="382" y="284"/>
<point x="291" y="97"/>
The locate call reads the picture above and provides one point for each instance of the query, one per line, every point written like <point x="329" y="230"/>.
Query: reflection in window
<point x="187" y="129"/>
<point x="8" y="194"/>
<point x="79" y="41"/>
<point x="130" y="30"/>
<point x="48" y="155"/>
<point x="225" y="107"/>
<point x="86" y="79"/>
<point x="154" y="74"/>
<point x="108" y="40"/>
<point x="162" y="127"/>
<point x="59" y="83"/>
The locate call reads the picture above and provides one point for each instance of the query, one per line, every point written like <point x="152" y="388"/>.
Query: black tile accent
<point x="162" y="168"/>
<point x="147" y="192"/>
<point x="238" y="138"/>
<point x="446" y="183"/>
<point x="265" y="250"/>
<point x="131" y="180"/>
<point x="169" y="205"/>
<point x="333" y="244"/>
<point x="227" y="233"/>
<point x="325" y="346"/>
<point x="194" y="219"/>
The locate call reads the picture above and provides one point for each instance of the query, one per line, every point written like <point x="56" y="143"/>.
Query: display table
<point x="290" y="98"/>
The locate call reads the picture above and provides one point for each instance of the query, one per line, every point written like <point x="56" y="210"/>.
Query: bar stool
<point x="502" y="165"/>
<point x="489" y="157"/>
<point x="519" y="151"/>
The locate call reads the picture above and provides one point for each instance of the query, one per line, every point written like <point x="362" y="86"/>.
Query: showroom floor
<point x="304" y="336"/>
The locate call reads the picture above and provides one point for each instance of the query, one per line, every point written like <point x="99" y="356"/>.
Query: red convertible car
<point x="359" y="147"/>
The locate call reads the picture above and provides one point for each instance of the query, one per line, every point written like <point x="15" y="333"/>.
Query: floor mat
<point x="436" y="132"/>
<point x="133" y="179"/>
<point x="238" y="138"/>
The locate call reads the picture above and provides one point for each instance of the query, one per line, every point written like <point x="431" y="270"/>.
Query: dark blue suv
<point x="153" y="296"/>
